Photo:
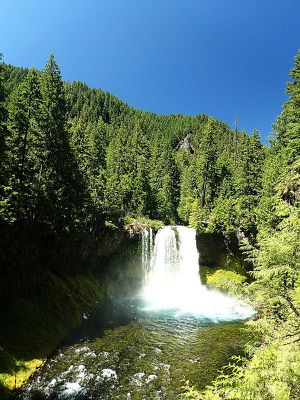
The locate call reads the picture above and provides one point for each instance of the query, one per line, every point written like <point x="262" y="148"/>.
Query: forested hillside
<point x="271" y="370"/>
<point x="75" y="157"/>
<point x="77" y="163"/>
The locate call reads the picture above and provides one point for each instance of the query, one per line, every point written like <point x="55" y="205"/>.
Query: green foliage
<point x="223" y="216"/>
<point x="41" y="181"/>
<point x="18" y="374"/>
<point x="271" y="374"/>
<point x="221" y="182"/>
<point x="93" y="158"/>
<point x="24" y="151"/>
<point x="3" y="131"/>
<point x="78" y="161"/>
<point x="143" y="222"/>
<point x="227" y="281"/>
<point x="271" y="370"/>
<point x="32" y="328"/>
<point x="61" y="183"/>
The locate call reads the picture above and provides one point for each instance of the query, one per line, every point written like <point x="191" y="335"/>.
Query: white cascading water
<point x="172" y="280"/>
<point x="147" y="245"/>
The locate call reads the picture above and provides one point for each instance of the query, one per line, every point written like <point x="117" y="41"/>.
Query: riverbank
<point x="32" y="328"/>
<point x="49" y="282"/>
<point x="40" y="312"/>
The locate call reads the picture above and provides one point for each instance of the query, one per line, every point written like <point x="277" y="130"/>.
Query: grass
<point x="225" y="280"/>
<point x="22" y="371"/>
<point x="14" y="373"/>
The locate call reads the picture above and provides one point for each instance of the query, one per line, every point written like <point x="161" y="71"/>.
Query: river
<point x="149" y="344"/>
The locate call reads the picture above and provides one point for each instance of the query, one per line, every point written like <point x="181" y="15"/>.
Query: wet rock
<point x="138" y="379"/>
<point x="109" y="374"/>
<point x="151" y="378"/>
<point x="70" y="389"/>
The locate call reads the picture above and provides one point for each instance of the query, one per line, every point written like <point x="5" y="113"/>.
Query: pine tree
<point x="64" y="191"/>
<point x="283" y="154"/>
<point x="279" y="236"/>
<point x="248" y="180"/>
<point x="24" y="150"/>
<point x="206" y="168"/>
<point x="117" y="191"/>
<point x="186" y="162"/>
<point x="2" y="130"/>
<point x="287" y="128"/>
<point x="139" y="175"/>
<point x="97" y="137"/>
<point x="163" y="177"/>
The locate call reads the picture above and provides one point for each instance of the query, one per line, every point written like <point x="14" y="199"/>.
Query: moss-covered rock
<point x="135" y="226"/>
<point x="226" y="281"/>
<point x="216" y="249"/>
<point x="31" y="328"/>
<point x="47" y="282"/>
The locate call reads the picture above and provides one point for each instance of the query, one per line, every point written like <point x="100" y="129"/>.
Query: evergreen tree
<point x="272" y="369"/>
<point x="139" y="175"/>
<point x="248" y="179"/>
<point x="278" y="268"/>
<point x="283" y="153"/>
<point x="163" y="177"/>
<point x="117" y="191"/>
<point x="24" y="151"/>
<point x="188" y="190"/>
<point x="2" y="129"/>
<point x="287" y="128"/>
<point x="97" y="135"/>
<point x="64" y="192"/>
<point x="206" y="168"/>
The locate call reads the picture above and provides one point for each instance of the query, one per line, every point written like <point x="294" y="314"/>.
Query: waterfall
<point x="147" y="245"/>
<point x="172" y="280"/>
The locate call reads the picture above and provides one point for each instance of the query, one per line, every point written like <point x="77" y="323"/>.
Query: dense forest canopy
<point x="76" y="159"/>
<point x="79" y="156"/>
<point x="271" y="370"/>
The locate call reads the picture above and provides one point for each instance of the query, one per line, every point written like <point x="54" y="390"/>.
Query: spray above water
<point x="172" y="280"/>
<point x="140" y="354"/>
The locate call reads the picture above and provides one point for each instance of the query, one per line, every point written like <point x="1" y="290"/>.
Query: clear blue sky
<point x="219" y="57"/>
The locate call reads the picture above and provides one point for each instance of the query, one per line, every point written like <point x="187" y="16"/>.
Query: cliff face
<point x="186" y="145"/>
<point x="47" y="283"/>
<point x="215" y="250"/>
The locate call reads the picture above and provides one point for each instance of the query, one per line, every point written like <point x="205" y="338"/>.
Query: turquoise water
<point x="159" y="328"/>
<point x="136" y="354"/>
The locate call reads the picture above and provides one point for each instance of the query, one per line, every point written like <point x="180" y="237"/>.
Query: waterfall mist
<point x="172" y="279"/>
